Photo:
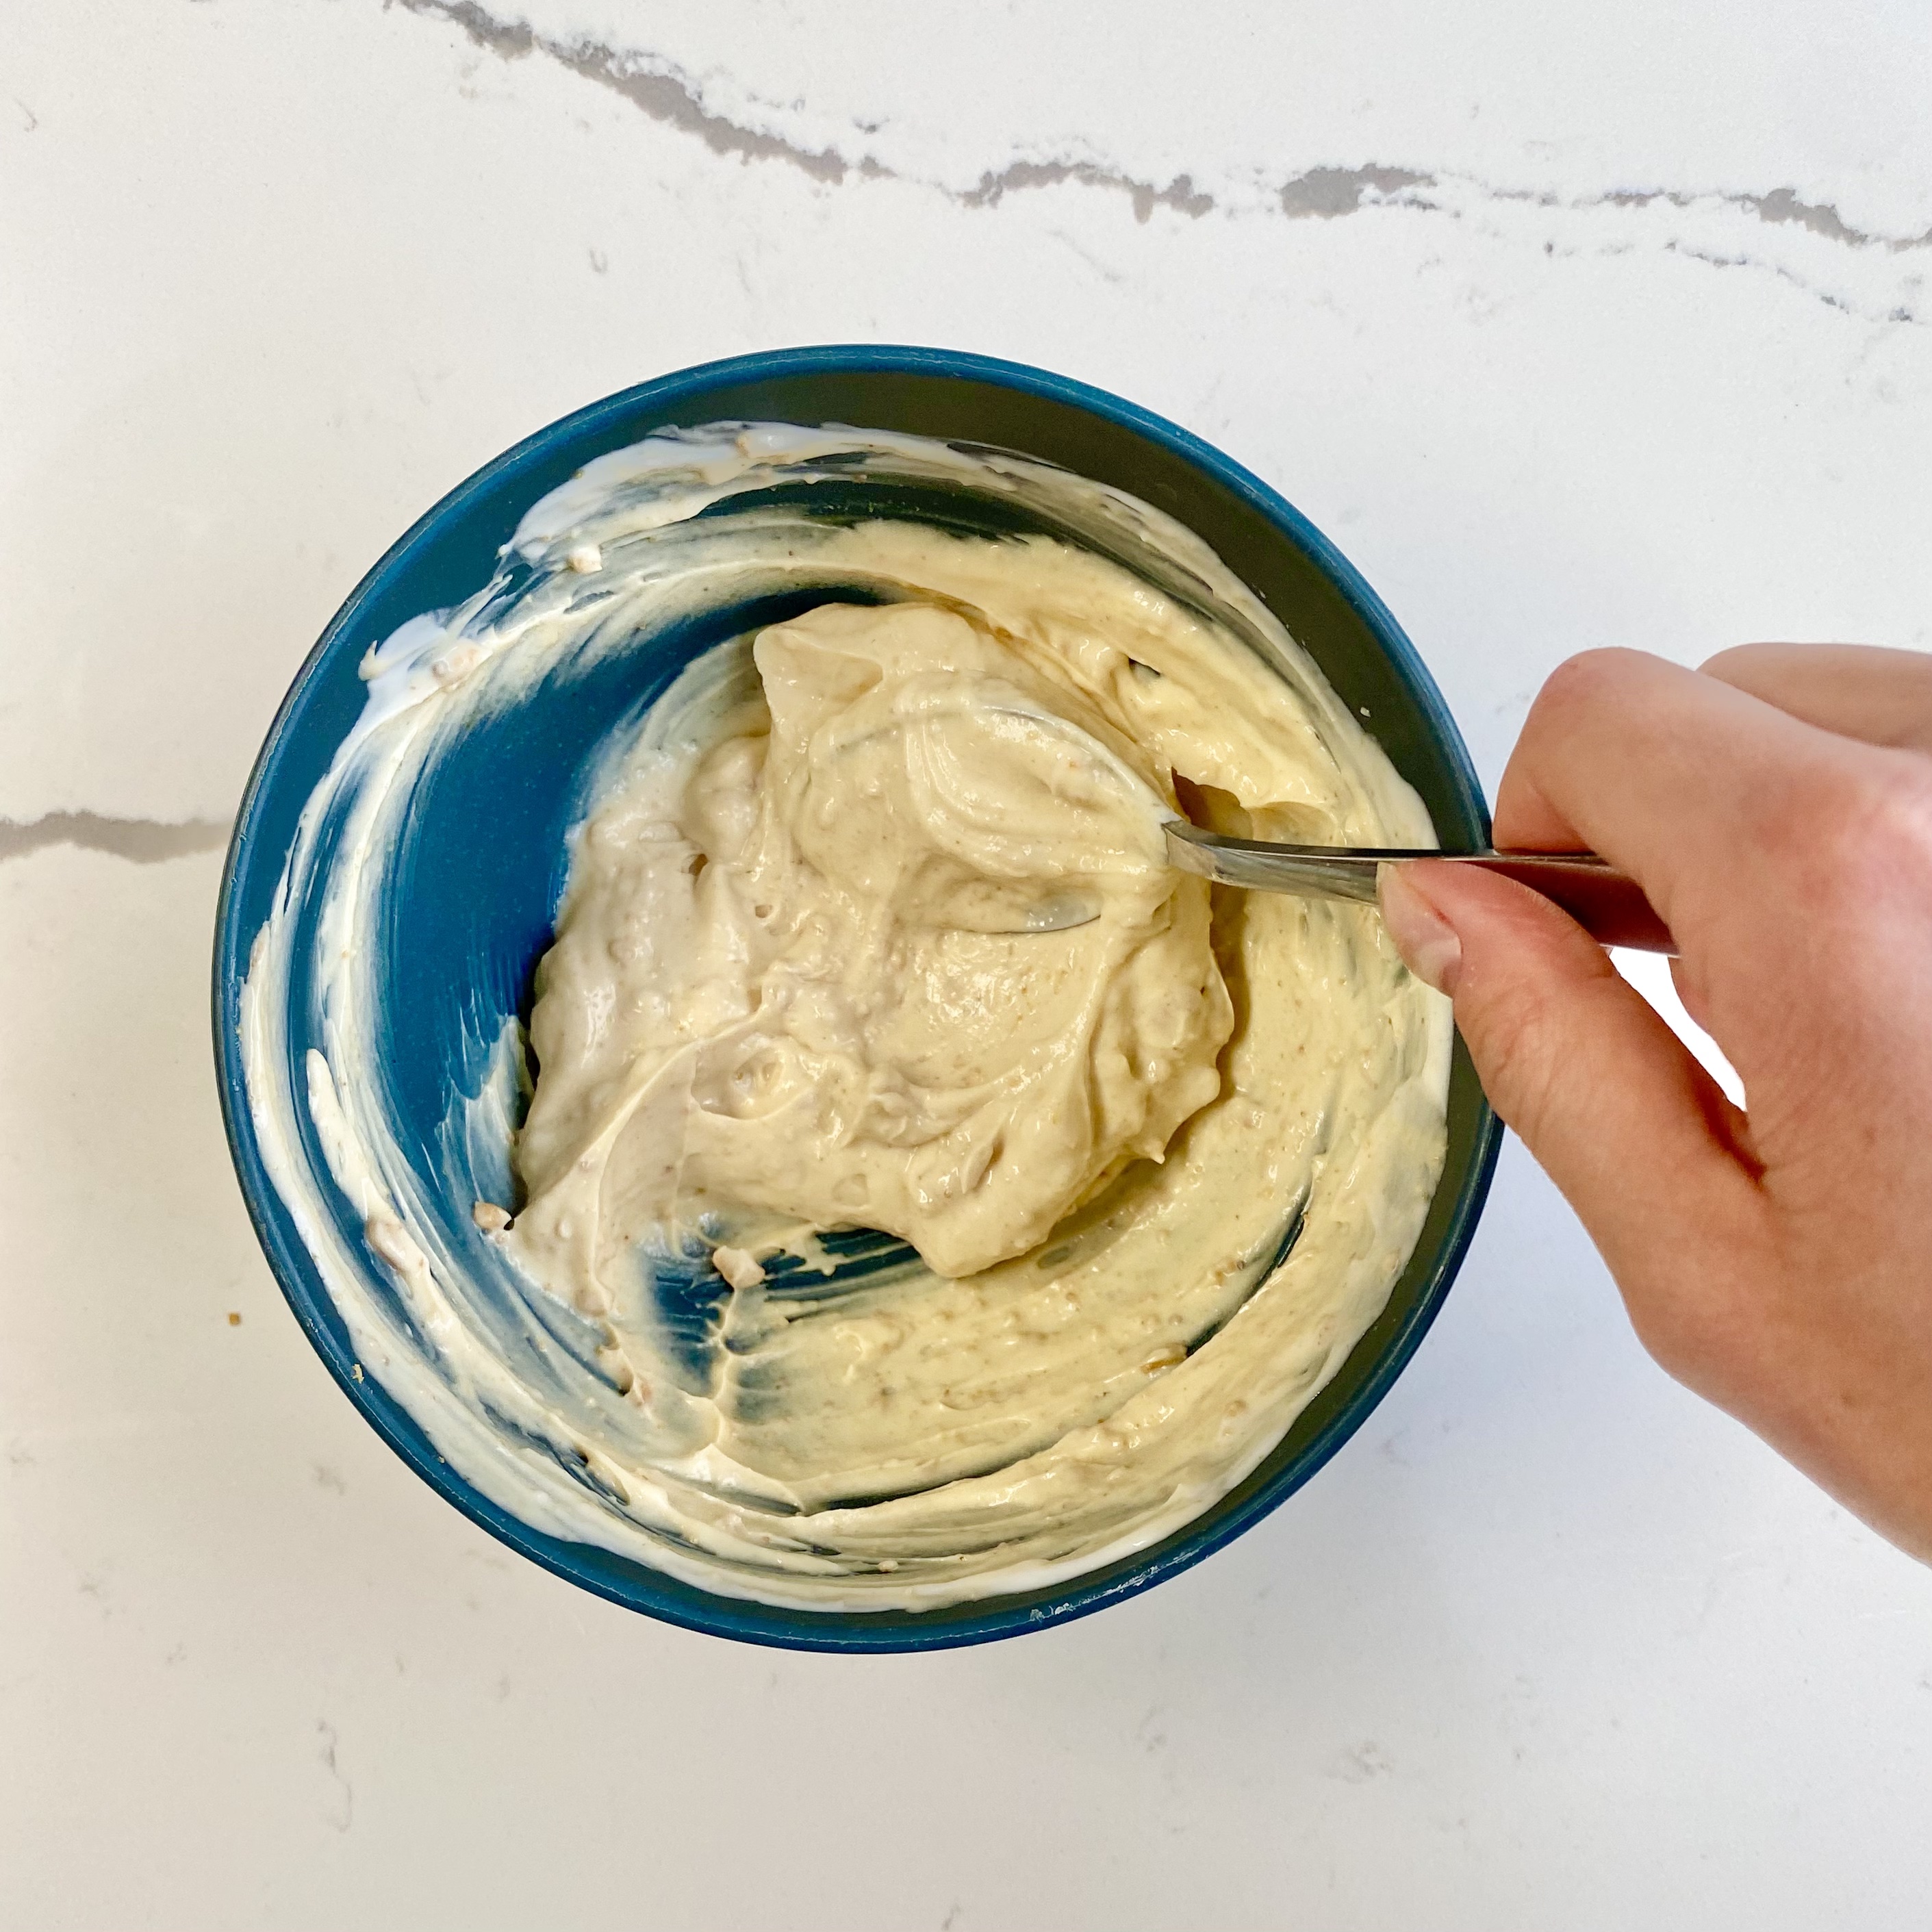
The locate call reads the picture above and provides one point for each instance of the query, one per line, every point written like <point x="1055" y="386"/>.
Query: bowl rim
<point x="656" y="1594"/>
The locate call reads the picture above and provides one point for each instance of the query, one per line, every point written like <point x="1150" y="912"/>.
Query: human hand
<point x="1776" y="807"/>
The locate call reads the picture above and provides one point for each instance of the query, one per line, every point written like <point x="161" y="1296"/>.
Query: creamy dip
<point x="867" y="927"/>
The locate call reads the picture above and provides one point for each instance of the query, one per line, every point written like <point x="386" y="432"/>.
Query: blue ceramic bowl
<point x="461" y="954"/>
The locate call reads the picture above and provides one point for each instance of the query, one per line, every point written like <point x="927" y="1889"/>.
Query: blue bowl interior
<point x="484" y="862"/>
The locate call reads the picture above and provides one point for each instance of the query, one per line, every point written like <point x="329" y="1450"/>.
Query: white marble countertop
<point x="1572" y="326"/>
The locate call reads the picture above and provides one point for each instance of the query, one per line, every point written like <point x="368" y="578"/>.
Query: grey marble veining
<point x="658" y="89"/>
<point x="147" y="841"/>
<point x="1571" y="326"/>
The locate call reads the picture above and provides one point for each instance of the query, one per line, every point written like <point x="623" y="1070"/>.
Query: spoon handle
<point x="1607" y="903"/>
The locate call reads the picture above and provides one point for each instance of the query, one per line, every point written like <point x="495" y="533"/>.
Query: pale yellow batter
<point x="803" y="981"/>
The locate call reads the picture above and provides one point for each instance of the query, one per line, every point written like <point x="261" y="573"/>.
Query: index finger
<point x="1687" y="783"/>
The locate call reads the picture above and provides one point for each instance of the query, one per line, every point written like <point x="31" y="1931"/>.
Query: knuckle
<point x="1584" y="685"/>
<point x="1901" y="813"/>
<point x="1850" y="825"/>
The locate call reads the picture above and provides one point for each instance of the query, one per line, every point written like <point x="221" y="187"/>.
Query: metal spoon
<point x="1607" y="903"/>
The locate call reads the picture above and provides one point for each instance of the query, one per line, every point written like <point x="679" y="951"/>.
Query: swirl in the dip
<point x="867" y="927"/>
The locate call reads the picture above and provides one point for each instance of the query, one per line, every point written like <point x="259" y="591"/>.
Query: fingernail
<point x="1426" y="940"/>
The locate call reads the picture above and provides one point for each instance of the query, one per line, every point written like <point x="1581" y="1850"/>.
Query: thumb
<point x="1638" y="1136"/>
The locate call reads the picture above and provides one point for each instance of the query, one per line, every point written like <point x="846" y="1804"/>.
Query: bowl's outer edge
<point x="634" y="1584"/>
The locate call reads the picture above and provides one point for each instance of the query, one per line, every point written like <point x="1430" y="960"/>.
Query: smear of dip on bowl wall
<point x="786" y="736"/>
